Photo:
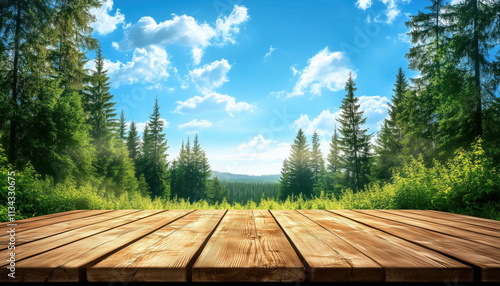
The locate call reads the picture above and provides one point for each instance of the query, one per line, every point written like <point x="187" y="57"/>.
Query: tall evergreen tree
<point x="154" y="165"/>
<point x="122" y="127"/>
<point x="475" y="35"/>
<point x="296" y="174"/>
<point x="354" y="141"/>
<point x="133" y="141"/>
<point x="389" y="139"/>
<point x="317" y="165"/>
<point x="98" y="103"/>
<point x="333" y="180"/>
<point x="190" y="172"/>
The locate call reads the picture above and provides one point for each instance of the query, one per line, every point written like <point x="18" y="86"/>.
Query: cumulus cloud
<point x="210" y="76"/>
<point x="147" y="65"/>
<point x="323" y="124"/>
<point x="212" y="102"/>
<point x="226" y="27"/>
<point x="364" y="4"/>
<point x="257" y="143"/>
<point x="184" y="31"/>
<point x="374" y="107"/>
<point x="105" y="23"/>
<point x="324" y="70"/>
<point x="271" y="50"/>
<point x="141" y="125"/>
<point x="194" y="125"/>
<point x="373" y="104"/>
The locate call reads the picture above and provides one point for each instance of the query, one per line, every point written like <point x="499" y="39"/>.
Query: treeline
<point x="448" y="107"/>
<point x="60" y="119"/>
<point x="242" y="192"/>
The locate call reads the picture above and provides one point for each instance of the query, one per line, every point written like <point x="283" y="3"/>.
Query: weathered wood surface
<point x="246" y="243"/>
<point x="254" y="245"/>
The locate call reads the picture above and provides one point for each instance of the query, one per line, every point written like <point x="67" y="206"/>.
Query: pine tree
<point x="97" y="103"/>
<point x="216" y="193"/>
<point x="190" y="172"/>
<point x="333" y="179"/>
<point x="296" y="174"/>
<point x="475" y="35"/>
<point x="133" y="141"/>
<point x="389" y="140"/>
<point x="154" y="164"/>
<point x="317" y="165"/>
<point x="354" y="142"/>
<point x="122" y="127"/>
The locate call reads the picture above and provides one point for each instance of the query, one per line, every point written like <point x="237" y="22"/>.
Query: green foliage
<point x="354" y="142"/>
<point x="296" y="174"/>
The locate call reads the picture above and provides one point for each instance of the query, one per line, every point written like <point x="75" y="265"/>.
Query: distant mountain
<point x="223" y="176"/>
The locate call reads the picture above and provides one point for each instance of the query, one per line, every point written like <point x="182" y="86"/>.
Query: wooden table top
<point x="252" y="245"/>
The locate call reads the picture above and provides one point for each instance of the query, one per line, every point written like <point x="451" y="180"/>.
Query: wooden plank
<point x="477" y="221"/>
<point x="449" y="230"/>
<point x="165" y="255"/>
<point x="423" y="215"/>
<point x="485" y="258"/>
<point x="53" y="220"/>
<point x="328" y="258"/>
<point x="248" y="246"/>
<point x="40" y="246"/>
<point x="32" y="219"/>
<point x="69" y="263"/>
<point x="61" y="227"/>
<point x="402" y="261"/>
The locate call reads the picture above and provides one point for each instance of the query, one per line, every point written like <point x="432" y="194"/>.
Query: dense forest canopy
<point x="60" y="129"/>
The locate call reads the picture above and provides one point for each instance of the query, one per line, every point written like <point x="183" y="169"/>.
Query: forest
<point x="66" y="147"/>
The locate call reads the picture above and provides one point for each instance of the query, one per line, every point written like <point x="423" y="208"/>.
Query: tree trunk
<point x="15" y="83"/>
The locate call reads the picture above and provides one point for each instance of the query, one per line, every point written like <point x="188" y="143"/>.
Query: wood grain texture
<point x="34" y="234"/>
<point x="402" y="261"/>
<point x="32" y="219"/>
<point x="53" y="220"/>
<point x="329" y="258"/>
<point x="465" y="234"/>
<point x="476" y="221"/>
<point x="164" y="255"/>
<point x="248" y="246"/>
<point x="486" y="258"/>
<point x="69" y="263"/>
<point x="52" y="242"/>
<point x="424" y="216"/>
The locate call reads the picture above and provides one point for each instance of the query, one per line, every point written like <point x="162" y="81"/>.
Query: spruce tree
<point x="133" y="141"/>
<point x="333" y="180"/>
<point x="354" y="141"/>
<point x="389" y="140"/>
<point x="296" y="174"/>
<point x="98" y="103"/>
<point x="122" y="127"/>
<point x="154" y="165"/>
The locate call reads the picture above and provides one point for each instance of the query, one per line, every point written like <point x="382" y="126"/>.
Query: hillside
<point x="224" y="176"/>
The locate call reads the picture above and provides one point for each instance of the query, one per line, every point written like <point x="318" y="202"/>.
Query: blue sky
<point x="245" y="75"/>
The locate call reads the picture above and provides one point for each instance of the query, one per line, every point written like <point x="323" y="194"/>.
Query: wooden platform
<point x="254" y="245"/>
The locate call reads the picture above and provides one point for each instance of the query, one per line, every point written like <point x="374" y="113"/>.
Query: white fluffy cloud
<point x="141" y="125"/>
<point x="105" y="23"/>
<point x="212" y="102"/>
<point x="324" y="123"/>
<point x="194" y="125"/>
<point x="324" y="70"/>
<point x="373" y="104"/>
<point x="184" y="31"/>
<point x="210" y="76"/>
<point x="364" y="4"/>
<point x="147" y="65"/>
<point x="257" y="143"/>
